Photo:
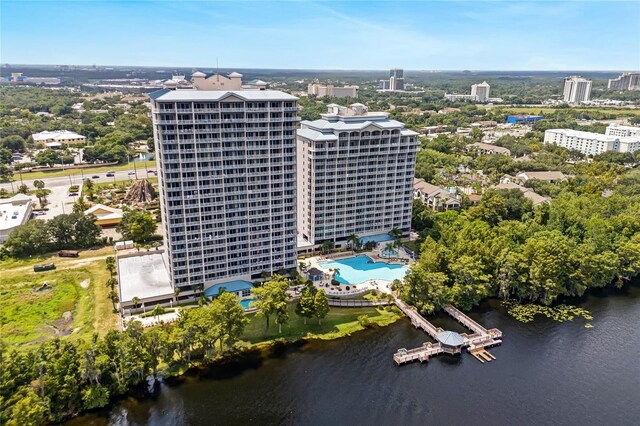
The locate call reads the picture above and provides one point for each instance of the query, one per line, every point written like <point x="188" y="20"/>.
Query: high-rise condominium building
<point x="355" y="175"/>
<point x="626" y="81"/>
<point x="321" y="90"/>
<point x="226" y="163"/>
<point x="577" y="89"/>
<point x="480" y="91"/>
<point x="396" y="79"/>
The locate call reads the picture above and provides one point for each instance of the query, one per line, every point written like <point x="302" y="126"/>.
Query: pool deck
<point x="354" y="289"/>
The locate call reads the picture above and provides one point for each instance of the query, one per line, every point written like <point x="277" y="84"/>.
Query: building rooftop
<point x="55" y="135"/>
<point x="13" y="210"/>
<point x="491" y="147"/>
<point x="527" y="192"/>
<point x="548" y="175"/>
<point x="143" y="277"/>
<point x="592" y="135"/>
<point x="450" y="338"/>
<point x="424" y="186"/>
<point x="216" y="95"/>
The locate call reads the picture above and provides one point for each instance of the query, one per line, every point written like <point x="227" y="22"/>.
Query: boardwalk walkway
<point x="475" y="343"/>
<point x="345" y="303"/>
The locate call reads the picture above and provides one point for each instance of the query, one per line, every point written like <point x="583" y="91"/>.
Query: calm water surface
<point x="546" y="373"/>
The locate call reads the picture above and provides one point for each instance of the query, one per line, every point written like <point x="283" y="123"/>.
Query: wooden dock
<point x="476" y="343"/>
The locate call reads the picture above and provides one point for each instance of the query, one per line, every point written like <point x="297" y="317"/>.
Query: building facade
<point x="227" y="173"/>
<point x="626" y="81"/>
<point x="321" y="90"/>
<point x="576" y="90"/>
<point x="355" y="175"/>
<point x="481" y="91"/>
<point x="615" y="129"/>
<point x="396" y="79"/>
<point x="594" y="143"/>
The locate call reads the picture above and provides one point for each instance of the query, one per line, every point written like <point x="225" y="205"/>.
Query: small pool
<point x="246" y="302"/>
<point x="354" y="270"/>
<point x="389" y="253"/>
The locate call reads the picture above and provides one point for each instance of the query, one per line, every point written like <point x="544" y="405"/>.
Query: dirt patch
<point x="85" y="283"/>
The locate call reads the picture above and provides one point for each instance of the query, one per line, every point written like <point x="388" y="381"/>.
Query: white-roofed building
<point x="14" y="211"/>
<point x="355" y="174"/>
<point x="617" y="139"/>
<point x="59" y="136"/>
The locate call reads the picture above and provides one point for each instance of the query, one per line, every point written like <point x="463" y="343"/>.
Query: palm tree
<point x="176" y="293"/>
<point x="396" y="234"/>
<point x="354" y="241"/>
<point x="327" y="246"/>
<point x="111" y="283"/>
<point x="113" y="296"/>
<point x="135" y="301"/>
<point x="157" y="311"/>
<point x="388" y="248"/>
<point x="111" y="264"/>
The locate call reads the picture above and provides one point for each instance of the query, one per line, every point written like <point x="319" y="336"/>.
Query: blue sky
<point x="418" y="35"/>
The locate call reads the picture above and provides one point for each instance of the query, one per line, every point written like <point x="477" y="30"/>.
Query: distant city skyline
<point x="456" y="35"/>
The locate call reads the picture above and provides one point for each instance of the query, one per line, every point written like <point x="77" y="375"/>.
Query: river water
<point x="546" y="373"/>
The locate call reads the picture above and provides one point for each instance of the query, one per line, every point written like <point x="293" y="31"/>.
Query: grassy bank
<point x="31" y="313"/>
<point x="339" y="322"/>
<point x="87" y="171"/>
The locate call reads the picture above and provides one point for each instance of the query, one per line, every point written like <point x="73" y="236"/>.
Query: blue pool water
<point x="354" y="270"/>
<point x="389" y="252"/>
<point x="245" y="303"/>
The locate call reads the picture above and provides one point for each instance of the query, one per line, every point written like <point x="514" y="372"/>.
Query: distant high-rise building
<point x="322" y="90"/>
<point x="481" y="91"/>
<point x="396" y="79"/>
<point x="577" y="89"/>
<point x="383" y="85"/>
<point x="227" y="180"/>
<point x="355" y="175"/>
<point x="626" y="81"/>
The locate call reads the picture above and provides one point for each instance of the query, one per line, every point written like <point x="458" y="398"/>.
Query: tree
<point x="113" y="296"/>
<point x="396" y="234"/>
<point x="38" y="184"/>
<point x="135" y="302"/>
<point x="111" y="283"/>
<point x="157" y="311"/>
<point x="229" y="315"/>
<point x="321" y="305"/>
<point x="75" y="230"/>
<point x="29" y="239"/>
<point x="41" y="195"/>
<point x="5" y="156"/>
<point x="13" y="143"/>
<point x="388" y="248"/>
<point x="110" y="263"/>
<point x="137" y="225"/>
<point x="327" y="246"/>
<point x="23" y="189"/>
<point x="354" y="241"/>
<point x="305" y="307"/>
<point x="5" y="173"/>
<point x="89" y="186"/>
<point x="272" y="300"/>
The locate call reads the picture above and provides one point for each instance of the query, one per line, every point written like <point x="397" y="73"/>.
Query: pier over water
<point x="448" y="341"/>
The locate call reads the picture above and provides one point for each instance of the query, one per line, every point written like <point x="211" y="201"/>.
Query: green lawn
<point x="28" y="316"/>
<point x="122" y="183"/>
<point x="339" y="322"/>
<point x="88" y="171"/>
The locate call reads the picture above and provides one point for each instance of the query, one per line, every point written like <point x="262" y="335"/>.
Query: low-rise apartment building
<point x="617" y="138"/>
<point x="436" y="198"/>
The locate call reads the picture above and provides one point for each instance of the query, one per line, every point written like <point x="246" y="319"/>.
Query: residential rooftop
<point x="143" y="276"/>
<point x="188" y="95"/>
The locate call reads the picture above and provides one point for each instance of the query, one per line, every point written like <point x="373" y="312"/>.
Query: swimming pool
<point x="245" y="303"/>
<point x="354" y="270"/>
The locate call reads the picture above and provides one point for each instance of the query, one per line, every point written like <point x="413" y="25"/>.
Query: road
<point x="66" y="181"/>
